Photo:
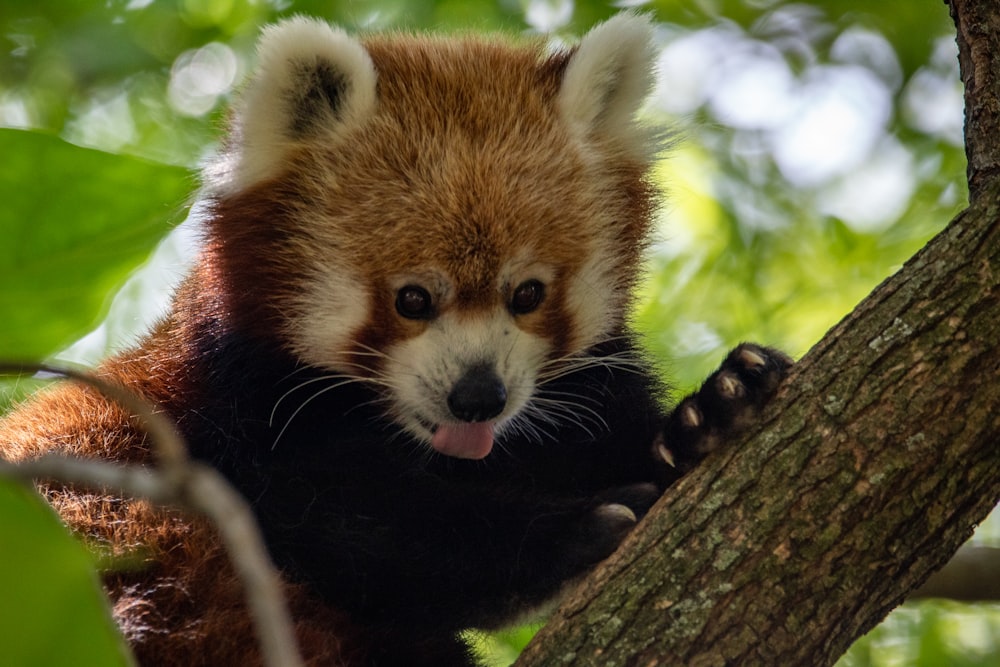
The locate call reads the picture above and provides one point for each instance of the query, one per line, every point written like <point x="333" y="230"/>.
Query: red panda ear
<point x="313" y="82"/>
<point x="608" y="77"/>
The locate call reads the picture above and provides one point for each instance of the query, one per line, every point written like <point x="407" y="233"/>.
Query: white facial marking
<point x="330" y="309"/>
<point x="595" y="300"/>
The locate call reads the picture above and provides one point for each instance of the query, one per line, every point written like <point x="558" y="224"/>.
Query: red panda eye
<point x="527" y="296"/>
<point x="414" y="303"/>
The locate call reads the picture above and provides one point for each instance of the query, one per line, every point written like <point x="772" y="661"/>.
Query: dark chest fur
<point x="380" y="525"/>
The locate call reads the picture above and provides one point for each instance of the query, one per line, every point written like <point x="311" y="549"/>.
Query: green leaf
<point x="52" y="610"/>
<point x="74" y="223"/>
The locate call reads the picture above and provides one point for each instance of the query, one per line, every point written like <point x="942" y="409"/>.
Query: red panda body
<point x="404" y="342"/>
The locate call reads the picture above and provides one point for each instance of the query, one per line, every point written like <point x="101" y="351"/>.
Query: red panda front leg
<point x="702" y="422"/>
<point x="725" y="404"/>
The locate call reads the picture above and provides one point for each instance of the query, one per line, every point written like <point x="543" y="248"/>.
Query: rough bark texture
<point x="865" y="475"/>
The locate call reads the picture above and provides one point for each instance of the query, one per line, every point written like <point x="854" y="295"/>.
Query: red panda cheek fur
<point x="352" y="166"/>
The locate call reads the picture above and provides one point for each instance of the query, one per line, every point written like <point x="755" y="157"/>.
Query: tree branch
<point x="864" y="475"/>
<point x="978" y="36"/>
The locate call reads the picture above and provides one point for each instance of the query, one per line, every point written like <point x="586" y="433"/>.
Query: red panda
<point x="405" y="342"/>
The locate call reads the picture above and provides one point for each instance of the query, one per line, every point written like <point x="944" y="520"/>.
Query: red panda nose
<point x="478" y="395"/>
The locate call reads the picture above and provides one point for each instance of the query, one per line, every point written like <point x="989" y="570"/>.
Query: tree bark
<point x="866" y="473"/>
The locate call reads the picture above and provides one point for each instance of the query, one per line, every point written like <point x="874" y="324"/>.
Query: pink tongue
<point x="464" y="441"/>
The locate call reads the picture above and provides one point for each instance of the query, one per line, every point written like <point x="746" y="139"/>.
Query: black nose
<point x="478" y="395"/>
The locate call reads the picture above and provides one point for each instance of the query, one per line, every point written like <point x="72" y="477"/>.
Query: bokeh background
<point x="817" y="146"/>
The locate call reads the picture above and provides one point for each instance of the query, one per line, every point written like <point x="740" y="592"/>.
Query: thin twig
<point x="209" y="492"/>
<point x="168" y="445"/>
<point x="128" y="481"/>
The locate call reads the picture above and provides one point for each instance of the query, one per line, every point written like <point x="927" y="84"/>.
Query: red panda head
<point x="450" y="220"/>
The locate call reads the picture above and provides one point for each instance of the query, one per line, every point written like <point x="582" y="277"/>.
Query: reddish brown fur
<point x="175" y="595"/>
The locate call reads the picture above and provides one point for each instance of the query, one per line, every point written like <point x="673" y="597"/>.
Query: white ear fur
<point x="607" y="79"/>
<point x="312" y="81"/>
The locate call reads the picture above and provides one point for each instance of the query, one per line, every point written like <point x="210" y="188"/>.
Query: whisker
<point x="300" y="369"/>
<point x="322" y="378"/>
<point x="307" y="402"/>
<point x="569" y="407"/>
<point x="529" y="424"/>
<point x="546" y="393"/>
<point x="562" y="366"/>
<point x="376" y="400"/>
<point x="572" y="413"/>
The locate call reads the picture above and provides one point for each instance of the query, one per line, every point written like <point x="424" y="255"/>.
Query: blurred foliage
<point x="75" y="223"/>
<point x="931" y="634"/>
<point x="781" y="213"/>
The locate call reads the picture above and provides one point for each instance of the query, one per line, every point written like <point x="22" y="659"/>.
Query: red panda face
<point x="449" y="221"/>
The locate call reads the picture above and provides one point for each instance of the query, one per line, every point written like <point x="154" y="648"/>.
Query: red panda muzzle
<point x="477" y="397"/>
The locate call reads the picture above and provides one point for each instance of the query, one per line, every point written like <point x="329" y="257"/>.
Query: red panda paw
<point x="729" y="400"/>
<point x="612" y="516"/>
